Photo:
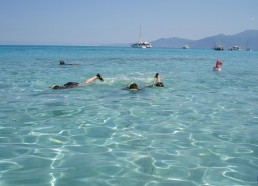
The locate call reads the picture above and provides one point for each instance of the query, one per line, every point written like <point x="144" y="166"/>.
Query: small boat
<point x="217" y="67"/>
<point x="247" y="47"/>
<point x="186" y="47"/>
<point x="235" y="48"/>
<point x="141" y="43"/>
<point x="218" y="47"/>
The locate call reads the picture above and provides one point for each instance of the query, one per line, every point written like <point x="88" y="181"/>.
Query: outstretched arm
<point x="94" y="78"/>
<point x="90" y="80"/>
<point x="155" y="81"/>
<point x="157" y="78"/>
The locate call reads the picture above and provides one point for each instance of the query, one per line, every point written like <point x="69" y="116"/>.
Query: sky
<point x="100" y="22"/>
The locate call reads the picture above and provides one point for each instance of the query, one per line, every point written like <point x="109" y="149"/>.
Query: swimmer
<point x="61" y="62"/>
<point x="75" y="84"/>
<point x="156" y="82"/>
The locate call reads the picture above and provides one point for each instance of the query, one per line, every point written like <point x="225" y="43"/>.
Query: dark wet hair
<point x="159" y="84"/>
<point x="133" y="86"/>
<point x="61" y="62"/>
<point x="55" y="87"/>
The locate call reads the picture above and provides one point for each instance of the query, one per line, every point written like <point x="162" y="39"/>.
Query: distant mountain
<point x="246" y="39"/>
<point x="173" y="42"/>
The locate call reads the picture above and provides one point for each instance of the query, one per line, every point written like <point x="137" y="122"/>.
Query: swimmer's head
<point x="133" y="86"/>
<point x="159" y="84"/>
<point x="61" y="62"/>
<point x="55" y="87"/>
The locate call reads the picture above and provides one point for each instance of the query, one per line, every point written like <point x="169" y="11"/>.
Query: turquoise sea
<point x="201" y="129"/>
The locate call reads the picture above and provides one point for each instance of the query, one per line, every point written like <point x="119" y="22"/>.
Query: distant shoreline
<point x="102" y="46"/>
<point x="245" y="39"/>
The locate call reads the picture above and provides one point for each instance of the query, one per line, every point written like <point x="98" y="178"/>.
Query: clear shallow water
<point x="201" y="129"/>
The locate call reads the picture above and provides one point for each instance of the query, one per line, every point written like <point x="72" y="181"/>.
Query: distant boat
<point x="186" y="47"/>
<point x="218" y="47"/>
<point x="247" y="46"/>
<point x="141" y="43"/>
<point x="235" y="48"/>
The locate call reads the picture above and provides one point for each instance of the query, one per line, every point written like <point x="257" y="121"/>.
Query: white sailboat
<point x="141" y="43"/>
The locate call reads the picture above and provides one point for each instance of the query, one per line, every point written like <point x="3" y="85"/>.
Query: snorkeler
<point x="156" y="82"/>
<point x="61" y="62"/>
<point x="75" y="84"/>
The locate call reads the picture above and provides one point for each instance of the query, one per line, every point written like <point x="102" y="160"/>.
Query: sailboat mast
<point x="140" y="32"/>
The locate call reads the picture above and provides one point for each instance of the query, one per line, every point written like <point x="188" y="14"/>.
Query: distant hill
<point x="246" y="39"/>
<point x="173" y="42"/>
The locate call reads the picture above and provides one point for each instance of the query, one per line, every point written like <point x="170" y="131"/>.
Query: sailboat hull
<point x="140" y="45"/>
